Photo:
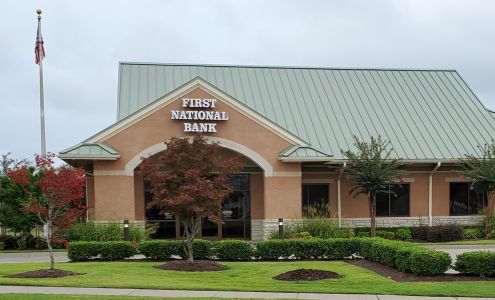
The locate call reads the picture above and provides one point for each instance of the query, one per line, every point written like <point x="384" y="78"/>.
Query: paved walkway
<point x="219" y="294"/>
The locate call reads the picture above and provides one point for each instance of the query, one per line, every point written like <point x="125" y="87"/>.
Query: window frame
<point x="390" y="215"/>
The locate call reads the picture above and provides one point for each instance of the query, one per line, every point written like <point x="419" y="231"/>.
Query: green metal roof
<point x="90" y="151"/>
<point x="426" y="114"/>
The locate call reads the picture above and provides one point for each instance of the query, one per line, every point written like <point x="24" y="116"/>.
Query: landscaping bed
<point x="399" y="276"/>
<point x="306" y="275"/>
<point x="195" y="266"/>
<point x="44" y="273"/>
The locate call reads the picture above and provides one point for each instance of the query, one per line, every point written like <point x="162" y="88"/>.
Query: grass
<point x="91" y="297"/>
<point x="242" y="276"/>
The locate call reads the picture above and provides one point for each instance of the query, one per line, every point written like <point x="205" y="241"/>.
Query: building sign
<point x="203" y="117"/>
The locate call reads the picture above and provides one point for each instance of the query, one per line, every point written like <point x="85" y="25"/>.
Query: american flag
<point x="39" y="39"/>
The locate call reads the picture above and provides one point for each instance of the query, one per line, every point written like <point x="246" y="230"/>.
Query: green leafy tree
<point x="189" y="179"/>
<point x="481" y="170"/>
<point x="13" y="198"/>
<point x="371" y="170"/>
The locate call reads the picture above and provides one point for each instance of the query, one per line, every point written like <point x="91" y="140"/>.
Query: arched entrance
<point x="238" y="209"/>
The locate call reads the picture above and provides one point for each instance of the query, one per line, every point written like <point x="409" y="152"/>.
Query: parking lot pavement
<point x="22" y="257"/>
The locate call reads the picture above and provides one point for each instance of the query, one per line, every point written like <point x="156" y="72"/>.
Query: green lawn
<point x="90" y="297"/>
<point x="243" y="276"/>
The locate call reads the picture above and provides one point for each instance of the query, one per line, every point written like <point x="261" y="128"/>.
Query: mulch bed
<point x="44" y="273"/>
<point x="196" y="266"/>
<point x="399" y="276"/>
<point x="306" y="275"/>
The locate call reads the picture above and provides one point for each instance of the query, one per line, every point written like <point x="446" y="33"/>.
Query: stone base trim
<point x="262" y="228"/>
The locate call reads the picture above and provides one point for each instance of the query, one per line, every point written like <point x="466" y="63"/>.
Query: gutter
<point x="430" y="194"/>
<point x="339" y="200"/>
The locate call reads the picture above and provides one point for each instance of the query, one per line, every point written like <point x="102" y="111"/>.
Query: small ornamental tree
<point x="481" y="170"/>
<point x="190" y="180"/>
<point x="59" y="202"/>
<point x="371" y="170"/>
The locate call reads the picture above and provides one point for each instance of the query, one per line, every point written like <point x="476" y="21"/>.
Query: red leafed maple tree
<point x="190" y="180"/>
<point x="60" y="202"/>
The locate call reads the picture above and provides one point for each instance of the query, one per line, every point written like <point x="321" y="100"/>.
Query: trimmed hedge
<point x="233" y="250"/>
<point x="116" y="250"/>
<point x="160" y="250"/>
<point x="328" y="249"/>
<point x="80" y="251"/>
<point x="480" y="263"/>
<point x="2" y="245"/>
<point x="404" y="256"/>
<point x="445" y="233"/>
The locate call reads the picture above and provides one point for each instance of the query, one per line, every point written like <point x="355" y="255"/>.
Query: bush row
<point x="22" y="243"/>
<point x="103" y="232"/>
<point x="404" y="256"/>
<point x="480" y="263"/>
<point x="2" y="246"/>
<point x="114" y="250"/>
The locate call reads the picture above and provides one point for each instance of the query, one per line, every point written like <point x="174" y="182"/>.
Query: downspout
<point x="430" y="194"/>
<point x="339" y="204"/>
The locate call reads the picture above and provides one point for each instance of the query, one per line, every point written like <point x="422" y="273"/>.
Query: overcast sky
<point x="85" y="40"/>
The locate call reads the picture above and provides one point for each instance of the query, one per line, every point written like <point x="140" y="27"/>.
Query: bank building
<point x="289" y="125"/>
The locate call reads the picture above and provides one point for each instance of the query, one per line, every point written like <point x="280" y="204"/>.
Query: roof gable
<point x="165" y="100"/>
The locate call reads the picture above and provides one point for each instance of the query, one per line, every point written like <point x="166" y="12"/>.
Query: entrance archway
<point x="244" y="204"/>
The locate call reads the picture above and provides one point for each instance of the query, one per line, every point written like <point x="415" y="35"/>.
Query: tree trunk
<point x="191" y="229"/>
<point x="372" y="204"/>
<point x="489" y="215"/>
<point x="48" y="237"/>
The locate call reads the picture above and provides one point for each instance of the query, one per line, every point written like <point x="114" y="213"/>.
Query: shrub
<point x="116" y="250"/>
<point x="273" y="249"/>
<point x="315" y="227"/>
<point x="429" y="262"/>
<point x="40" y="244"/>
<point x="2" y="245"/>
<point x="331" y="249"/>
<point x="480" y="263"/>
<point x="79" y="251"/>
<point x="420" y="233"/>
<point x="444" y="233"/>
<point x="488" y="227"/>
<point x="389" y="235"/>
<point x="363" y="234"/>
<point x="21" y="244"/>
<point x="472" y="233"/>
<point x="201" y="249"/>
<point x="233" y="250"/>
<point x="104" y="232"/>
<point x="403" y="234"/>
<point x="10" y="242"/>
<point x="160" y="249"/>
<point x="405" y="256"/>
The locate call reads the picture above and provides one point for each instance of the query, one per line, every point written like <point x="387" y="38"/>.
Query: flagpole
<point x="42" y="97"/>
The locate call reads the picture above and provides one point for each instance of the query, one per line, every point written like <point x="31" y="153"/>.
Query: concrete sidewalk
<point x="220" y="294"/>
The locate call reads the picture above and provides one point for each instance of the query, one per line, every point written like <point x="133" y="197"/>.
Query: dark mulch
<point x="306" y="275"/>
<point x="408" y="277"/>
<point x="196" y="266"/>
<point x="44" y="273"/>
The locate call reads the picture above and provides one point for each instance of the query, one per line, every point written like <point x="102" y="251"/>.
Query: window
<point x="315" y="199"/>
<point x="464" y="200"/>
<point x="165" y="223"/>
<point x="395" y="203"/>
<point x="236" y="208"/>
